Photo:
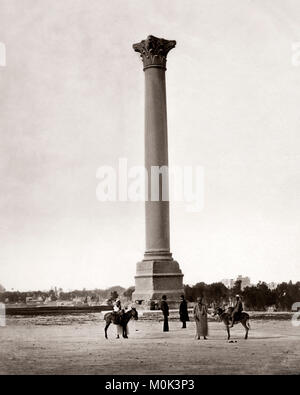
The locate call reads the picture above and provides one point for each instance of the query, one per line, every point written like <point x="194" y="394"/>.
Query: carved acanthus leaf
<point x="154" y="51"/>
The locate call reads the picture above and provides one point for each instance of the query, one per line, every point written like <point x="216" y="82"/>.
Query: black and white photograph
<point x="149" y="190"/>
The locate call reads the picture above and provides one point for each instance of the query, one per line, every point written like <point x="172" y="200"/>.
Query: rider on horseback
<point x="238" y="308"/>
<point x="118" y="310"/>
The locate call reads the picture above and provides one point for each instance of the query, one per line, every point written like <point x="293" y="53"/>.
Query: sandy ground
<point x="76" y="345"/>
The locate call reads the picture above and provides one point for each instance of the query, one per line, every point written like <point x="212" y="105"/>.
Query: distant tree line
<point x="96" y="295"/>
<point x="256" y="297"/>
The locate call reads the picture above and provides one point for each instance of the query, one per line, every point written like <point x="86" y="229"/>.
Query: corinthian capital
<point x="154" y="51"/>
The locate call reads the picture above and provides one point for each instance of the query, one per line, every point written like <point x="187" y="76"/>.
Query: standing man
<point x="183" y="312"/>
<point x="165" y="309"/>
<point x="238" y="308"/>
<point x="200" y="314"/>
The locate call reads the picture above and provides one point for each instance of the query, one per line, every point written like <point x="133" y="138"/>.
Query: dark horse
<point x="225" y="317"/>
<point x="120" y="319"/>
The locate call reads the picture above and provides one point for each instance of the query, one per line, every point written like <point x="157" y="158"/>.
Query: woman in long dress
<point x="200" y="315"/>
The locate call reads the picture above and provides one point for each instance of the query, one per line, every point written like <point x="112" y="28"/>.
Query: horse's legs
<point x="125" y="332"/>
<point x="228" y="332"/>
<point x="246" y="328"/>
<point x="106" y="327"/>
<point x="120" y="331"/>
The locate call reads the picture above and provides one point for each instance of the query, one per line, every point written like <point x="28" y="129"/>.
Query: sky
<point x="72" y="100"/>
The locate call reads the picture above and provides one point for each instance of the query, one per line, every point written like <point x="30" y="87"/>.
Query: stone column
<point x="158" y="273"/>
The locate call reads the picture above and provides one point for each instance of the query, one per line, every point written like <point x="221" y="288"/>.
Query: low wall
<point x="157" y="315"/>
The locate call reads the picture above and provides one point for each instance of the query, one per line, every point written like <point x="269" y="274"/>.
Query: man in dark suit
<point x="183" y="311"/>
<point x="165" y="309"/>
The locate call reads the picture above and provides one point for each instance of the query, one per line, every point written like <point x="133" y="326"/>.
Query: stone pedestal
<point x="156" y="278"/>
<point x="158" y="274"/>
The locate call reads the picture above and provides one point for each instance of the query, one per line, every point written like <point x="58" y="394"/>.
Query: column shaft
<point x="156" y="154"/>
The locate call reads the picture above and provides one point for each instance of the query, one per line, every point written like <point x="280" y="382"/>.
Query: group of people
<point x="200" y="314"/>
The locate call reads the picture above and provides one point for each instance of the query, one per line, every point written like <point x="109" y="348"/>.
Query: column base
<point x="155" y="278"/>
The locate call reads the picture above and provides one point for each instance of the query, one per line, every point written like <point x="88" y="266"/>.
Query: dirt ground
<point x="76" y="345"/>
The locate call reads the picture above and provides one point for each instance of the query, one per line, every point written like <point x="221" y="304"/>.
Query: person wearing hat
<point x="183" y="312"/>
<point x="117" y="306"/>
<point x="238" y="308"/>
<point x="200" y="315"/>
<point x="165" y="309"/>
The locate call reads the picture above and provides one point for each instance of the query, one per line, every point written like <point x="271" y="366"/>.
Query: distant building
<point x="79" y="300"/>
<point x="228" y="282"/>
<point x="34" y="301"/>
<point x="245" y="281"/>
<point x="2" y="289"/>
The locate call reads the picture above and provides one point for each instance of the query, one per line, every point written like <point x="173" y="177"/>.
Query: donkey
<point x="225" y="317"/>
<point x="120" y="319"/>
